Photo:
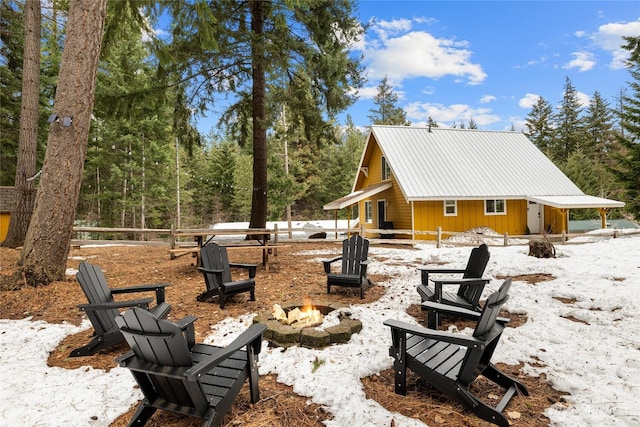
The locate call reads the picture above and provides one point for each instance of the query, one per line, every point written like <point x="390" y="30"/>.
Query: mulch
<point x="289" y="279"/>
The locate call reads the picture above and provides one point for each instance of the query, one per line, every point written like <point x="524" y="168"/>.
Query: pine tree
<point x="627" y="166"/>
<point x="25" y="189"/>
<point x="300" y="49"/>
<point x="568" y="125"/>
<point x="599" y="137"/>
<point x="387" y="112"/>
<point x="44" y="254"/>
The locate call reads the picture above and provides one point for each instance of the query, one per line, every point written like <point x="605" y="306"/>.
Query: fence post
<point x="564" y="236"/>
<point x="506" y="238"/>
<point x="438" y="237"/>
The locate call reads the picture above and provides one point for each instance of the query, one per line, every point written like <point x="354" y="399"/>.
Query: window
<point x="368" y="212"/>
<point x="386" y="170"/>
<point x="495" y="207"/>
<point x="450" y="208"/>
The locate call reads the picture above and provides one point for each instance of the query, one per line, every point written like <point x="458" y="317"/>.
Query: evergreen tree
<point x="25" y="190"/>
<point x="599" y="136"/>
<point x="387" y="112"/>
<point x="236" y="47"/>
<point x="43" y="258"/>
<point x="627" y="166"/>
<point x="568" y="125"/>
<point x="11" y="48"/>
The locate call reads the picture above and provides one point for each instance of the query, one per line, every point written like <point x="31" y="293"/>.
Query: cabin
<point x="423" y="178"/>
<point x="6" y="205"/>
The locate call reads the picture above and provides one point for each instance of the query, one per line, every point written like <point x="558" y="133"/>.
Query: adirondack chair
<point x="354" y="265"/>
<point x="177" y="375"/>
<point x="470" y="285"/>
<point x="102" y="309"/>
<point x="216" y="269"/>
<point x="451" y="362"/>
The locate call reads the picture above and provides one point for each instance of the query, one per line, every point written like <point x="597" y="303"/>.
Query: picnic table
<point x="260" y="240"/>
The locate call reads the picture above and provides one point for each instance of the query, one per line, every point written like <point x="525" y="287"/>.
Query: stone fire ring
<point x="280" y="335"/>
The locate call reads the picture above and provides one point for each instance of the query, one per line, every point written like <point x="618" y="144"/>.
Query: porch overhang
<point x="357" y="196"/>
<point x="576" y="202"/>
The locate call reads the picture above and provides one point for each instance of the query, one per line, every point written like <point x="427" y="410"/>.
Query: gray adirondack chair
<point x="178" y="375"/>
<point x="216" y="269"/>
<point x="102" y="308"/>
<point x="354" y="264"/>
<point x="451" y="362"/>
<point x="470" y="284"/>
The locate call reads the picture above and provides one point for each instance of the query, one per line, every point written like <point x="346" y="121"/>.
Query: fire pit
<point x="300" y="324"/>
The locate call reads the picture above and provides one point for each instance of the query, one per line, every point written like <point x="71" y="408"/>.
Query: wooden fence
<point x="170" y="236"/>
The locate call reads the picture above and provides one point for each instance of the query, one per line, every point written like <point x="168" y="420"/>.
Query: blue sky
<point x="489" y="60"/>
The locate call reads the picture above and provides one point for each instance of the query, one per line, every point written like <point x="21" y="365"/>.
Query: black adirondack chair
<point x="470" y="284"/>
<point x="354" y="265"/>
<point x="102" y="309"/>
<point x="177" y="375"/>
<point x="451" y="362"/>
<point x="217" y="275"/>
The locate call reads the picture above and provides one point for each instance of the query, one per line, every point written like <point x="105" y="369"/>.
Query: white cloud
<point x="447" y="114"/>
<point x="528" y="101"/>
<point x="419" y="54"/>
<point x="583" y="99"/>
<point x="583" y="61"/>
<point x="368" y="92"/>
<point x="609" y="38"/>
<point x="392" y="49"/>
<point x="385" y="28"/>
<point x="487" y="99"/>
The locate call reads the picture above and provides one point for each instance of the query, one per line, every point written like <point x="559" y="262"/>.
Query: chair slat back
<point x="214" y="257"/>
<point x="95" y="288"/>
<point x="491" y="309"/>
<point x="476" y="265"/>
<point x="354" y="251"/>
<point x="154" y="340"/>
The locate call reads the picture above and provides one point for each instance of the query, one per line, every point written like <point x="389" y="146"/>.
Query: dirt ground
<point x="289" y="279"/>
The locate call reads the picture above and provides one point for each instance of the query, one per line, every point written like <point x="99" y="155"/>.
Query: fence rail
<point x="385" y="236"/>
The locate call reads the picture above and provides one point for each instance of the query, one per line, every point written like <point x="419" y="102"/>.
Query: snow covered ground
<point x="596" y="359"/>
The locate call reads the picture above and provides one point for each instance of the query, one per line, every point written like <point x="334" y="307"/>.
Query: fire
<point x="303" y="317"/>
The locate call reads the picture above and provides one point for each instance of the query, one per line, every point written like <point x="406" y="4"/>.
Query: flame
<point x="302" y="317"/>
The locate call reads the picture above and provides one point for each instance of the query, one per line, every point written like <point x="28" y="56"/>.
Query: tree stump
<point x="541" y="249"/>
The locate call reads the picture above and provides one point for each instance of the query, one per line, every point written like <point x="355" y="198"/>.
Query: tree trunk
<point x="25" y="192"/>
<point x="46" y="246"/>
<point x="259" y="195"/>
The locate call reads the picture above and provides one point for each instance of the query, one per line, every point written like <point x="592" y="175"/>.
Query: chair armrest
<point x="424" y="272"/>
<point x="188" y="328"/>
<point x="157" y="287"/>
<point x="327" y="263"/>
<point x="461" y="312"/>
<point x="142" y="302"/>
<point x="407" y="328"/>
<point x="139" y="288"/>
<point x="251" y="268"/>
<point x="251" y="337"/>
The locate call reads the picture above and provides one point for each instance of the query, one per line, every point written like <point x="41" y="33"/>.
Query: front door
<point x="534" y="217"/>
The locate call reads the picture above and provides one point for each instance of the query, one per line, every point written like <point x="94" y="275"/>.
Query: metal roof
<point x="356" y="196"/>
<point x="440" y="163"/>
<point x="576" y="202"/>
